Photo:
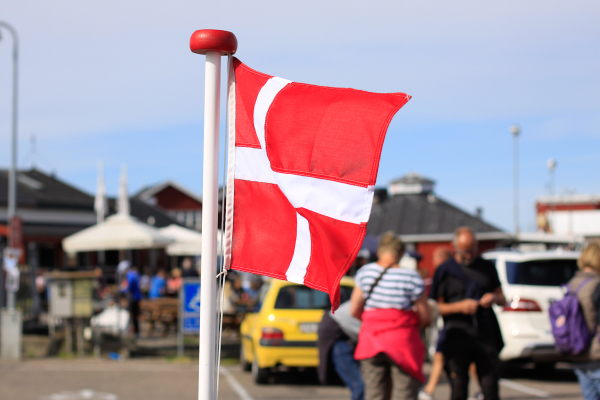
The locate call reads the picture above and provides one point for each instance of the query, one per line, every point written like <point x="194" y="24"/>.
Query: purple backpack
<point x="571" y="333"/>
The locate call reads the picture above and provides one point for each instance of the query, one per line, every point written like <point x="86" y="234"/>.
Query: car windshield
<point x="305" y="298"/>
<point x="541" y="272"/>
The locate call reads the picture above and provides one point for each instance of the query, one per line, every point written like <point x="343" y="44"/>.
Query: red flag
<point x="303" y="162"/>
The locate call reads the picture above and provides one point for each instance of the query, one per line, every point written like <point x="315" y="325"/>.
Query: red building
<point x="182" y="204"/>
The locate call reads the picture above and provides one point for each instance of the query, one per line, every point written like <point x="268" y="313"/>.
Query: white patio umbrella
<point x="118" y="232"/>
<point x="187" y="242"/>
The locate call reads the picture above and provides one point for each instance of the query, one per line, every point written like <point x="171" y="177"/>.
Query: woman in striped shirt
<point x="392" y="305"/>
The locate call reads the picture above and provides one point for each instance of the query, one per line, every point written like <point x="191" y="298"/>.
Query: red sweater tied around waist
<point x="395" y="333"/>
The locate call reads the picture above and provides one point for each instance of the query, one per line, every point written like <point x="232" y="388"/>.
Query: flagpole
<point x="214" y="44"/>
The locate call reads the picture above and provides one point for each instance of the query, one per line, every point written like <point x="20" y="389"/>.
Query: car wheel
<point x="246" y="366"/>
<point x="260" y="375"/>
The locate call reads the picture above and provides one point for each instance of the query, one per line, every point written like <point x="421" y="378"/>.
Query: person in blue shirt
<point x="157" y="285"/>
<point x="131" y="286"/>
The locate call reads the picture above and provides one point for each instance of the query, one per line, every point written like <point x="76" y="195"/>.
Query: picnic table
<point x="163" y="310"/>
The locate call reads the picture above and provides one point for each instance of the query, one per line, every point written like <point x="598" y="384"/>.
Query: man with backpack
<point x="583" y="341"/>
<point x="465" y="288"/>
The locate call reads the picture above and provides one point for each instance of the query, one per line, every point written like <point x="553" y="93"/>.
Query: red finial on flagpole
<point x="205" y="40"/>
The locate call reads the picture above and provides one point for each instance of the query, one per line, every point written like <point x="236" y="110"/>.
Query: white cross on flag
<point x="303" y="162"/>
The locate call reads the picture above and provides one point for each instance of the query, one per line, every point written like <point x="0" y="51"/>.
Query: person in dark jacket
<point x="337" y="337"/>
<point x="465" y="288"/>
<point x="587" y="366"/>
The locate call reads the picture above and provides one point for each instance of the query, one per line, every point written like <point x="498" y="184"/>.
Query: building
<point x="569" y="214"/>
<point x="51" y="210"/>
<point x="180" y="203"/>
<point x="410" y="208"/>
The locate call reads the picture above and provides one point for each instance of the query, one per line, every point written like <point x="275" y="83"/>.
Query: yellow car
<point x="282" y="332"/>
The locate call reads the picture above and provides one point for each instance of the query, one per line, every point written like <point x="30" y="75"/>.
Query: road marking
<point x="525" y="389"/>
<point x="81" y="395"/>
<point x="235" y="385"/>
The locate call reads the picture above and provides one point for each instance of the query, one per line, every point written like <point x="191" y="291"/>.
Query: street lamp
<point x="551" y="163"/>
<point x="516" y="131"/>
<point x="11" y="318"/>
<point x="12" y="181"/>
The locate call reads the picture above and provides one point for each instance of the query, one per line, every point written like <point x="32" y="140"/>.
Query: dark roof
<point x="35" y="189"/>
<point x="421" y="214"/>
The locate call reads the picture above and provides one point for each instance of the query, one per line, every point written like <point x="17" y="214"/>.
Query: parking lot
<point x="157" y="378"/>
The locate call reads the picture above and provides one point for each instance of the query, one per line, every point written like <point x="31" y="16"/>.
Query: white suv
<point x="530" y="282"/>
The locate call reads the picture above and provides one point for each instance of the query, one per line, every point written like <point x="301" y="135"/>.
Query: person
<point x="392" y="305"/>
<point x="465" y="288"/>
<point x="188" y="271"/>
<point x="145" y="282"/>
<point x="587" y="366"/>
<point x="174" y="282"/>
<point x="157" y="285"/>
<point x="337" y="336"/>
<point x="131" y="286"/>
<point x="238" y="297"/>
<point x="439" y="256"/>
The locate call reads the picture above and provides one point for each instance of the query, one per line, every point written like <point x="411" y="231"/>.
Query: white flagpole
<point x="214" y="44"/>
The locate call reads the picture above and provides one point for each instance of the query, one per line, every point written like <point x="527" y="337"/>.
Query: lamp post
<point x="11" y="317"/>
<point x="12" y="178"/>
<point x="516" y="131"/>
<point x="551" y="163"/>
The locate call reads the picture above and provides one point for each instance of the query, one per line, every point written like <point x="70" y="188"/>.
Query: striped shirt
<point x="399" y="288"/>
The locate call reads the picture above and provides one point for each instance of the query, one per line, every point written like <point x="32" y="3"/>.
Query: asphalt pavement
<point x="158" y="378"/>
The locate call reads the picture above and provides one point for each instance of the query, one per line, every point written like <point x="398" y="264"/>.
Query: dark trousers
<point x="384" y="380"/>
<point x="134" y="312"/>
<point x="342" y="355"/>
<point x="462" y="349"/>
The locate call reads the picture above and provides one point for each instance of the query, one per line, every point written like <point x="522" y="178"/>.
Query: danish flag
<point x="302" y="166"/>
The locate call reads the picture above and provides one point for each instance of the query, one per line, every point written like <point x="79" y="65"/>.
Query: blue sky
<point x="115" y="80"/>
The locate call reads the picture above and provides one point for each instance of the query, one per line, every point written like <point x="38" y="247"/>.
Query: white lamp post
<point x="516" y="131"/>
<point x="11" y="318"/>
<point x="12" y="181"/>
<point x="551" y="163"/>
<point x="12" y="177"/>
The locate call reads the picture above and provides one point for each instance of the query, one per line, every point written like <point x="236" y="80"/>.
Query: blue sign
<point x="190" y="306"/>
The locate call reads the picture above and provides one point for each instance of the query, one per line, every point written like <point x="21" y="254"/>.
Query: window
<point x="541" y="272"/>
<point x="199" y="220"/>
<point x="305" y="298"/>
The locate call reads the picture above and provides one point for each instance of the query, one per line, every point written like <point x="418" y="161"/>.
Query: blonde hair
<point x="590" y="257"/>
<point x="391" y="243"/>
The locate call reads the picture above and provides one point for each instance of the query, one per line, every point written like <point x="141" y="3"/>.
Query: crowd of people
<point x="374" y="341"/>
